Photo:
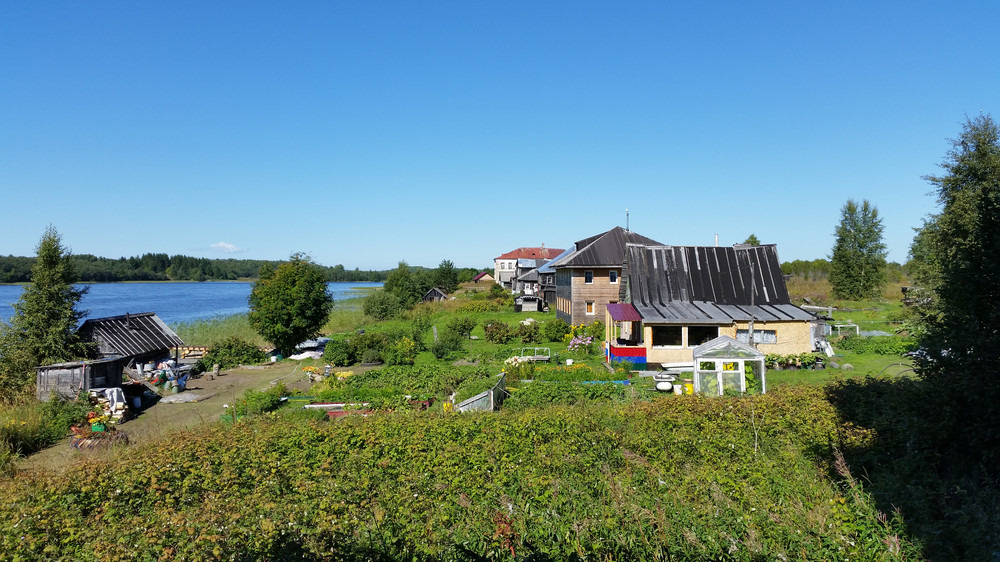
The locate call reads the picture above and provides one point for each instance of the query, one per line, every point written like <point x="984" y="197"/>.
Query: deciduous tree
<point x="958" y="251"/>
<point x="290" y="303"/>
<point x="857" y="264"/>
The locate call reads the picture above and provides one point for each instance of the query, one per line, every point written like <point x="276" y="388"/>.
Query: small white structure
<point x="725" y="364"/>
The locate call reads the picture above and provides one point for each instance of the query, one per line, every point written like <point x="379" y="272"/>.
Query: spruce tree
<point x="43" y="329"/>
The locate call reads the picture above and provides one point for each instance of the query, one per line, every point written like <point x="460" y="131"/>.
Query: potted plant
<point x="791" y="362"/>
<point x="807" y="360"/>
<point x="773" y="361"/>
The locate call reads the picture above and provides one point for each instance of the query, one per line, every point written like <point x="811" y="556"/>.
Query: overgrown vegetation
<point x="674" y="479"/>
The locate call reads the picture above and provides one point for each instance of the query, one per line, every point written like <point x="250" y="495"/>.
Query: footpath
<point x="204" y="400"/>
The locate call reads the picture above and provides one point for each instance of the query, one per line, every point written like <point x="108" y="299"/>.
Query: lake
<point x="173" y="302"/>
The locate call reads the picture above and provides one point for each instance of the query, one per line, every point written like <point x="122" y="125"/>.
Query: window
<point x="590" y="307"/>
<point x="698" y="335"/>
<point x="664" y="336"/>
<point x="759" y="336"/>
<point x="588" y="277"/>
<point x="613" y="277"/>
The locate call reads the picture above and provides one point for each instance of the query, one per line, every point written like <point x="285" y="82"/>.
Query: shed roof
<point x="709" y="284"/>
<point x="130" y="335"/>
<point x="482" y="275"/>
<point x="606" y="249"/>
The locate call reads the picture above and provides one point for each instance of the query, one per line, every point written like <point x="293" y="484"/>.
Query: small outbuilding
<point x="435" y="295"/>
<point x="725" y="364"/>
<point x="483" y="277"/>
<point x="67" y="380"/>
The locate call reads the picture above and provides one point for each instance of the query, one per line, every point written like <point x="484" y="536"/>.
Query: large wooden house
<point x="675" y="298"/>
<point x="587" y="276"/>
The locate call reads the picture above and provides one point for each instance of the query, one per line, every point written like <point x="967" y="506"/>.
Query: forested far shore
<point x="161" y="267"/>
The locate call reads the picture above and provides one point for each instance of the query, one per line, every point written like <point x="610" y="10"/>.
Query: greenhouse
<point x="724" y="364"/>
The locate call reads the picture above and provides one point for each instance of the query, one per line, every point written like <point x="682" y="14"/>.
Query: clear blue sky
<point x="364" y="133"/>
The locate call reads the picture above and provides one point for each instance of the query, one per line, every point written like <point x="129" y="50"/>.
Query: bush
<point x="382" y="305"/>
<point x="371" y="356"/>
<point x="402" y="352"/>
<point x="448" y="342"/>
<point x="596" y="330"/>
<point x="528" y="333"/>
<point x="497" y="291"/>
<point x="339" y="353"/>
<point x="498" y="332"/>
<point x="360" y="343"/>
<point x="233" y="352"/>
<point x="555" y="330"/>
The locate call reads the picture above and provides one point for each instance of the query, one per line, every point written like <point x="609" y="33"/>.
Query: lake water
<point x="173" y="302"/>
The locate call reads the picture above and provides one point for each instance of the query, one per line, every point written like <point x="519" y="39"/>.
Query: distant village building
<point x="483" y="277"/>
<point x="505" y="266"/>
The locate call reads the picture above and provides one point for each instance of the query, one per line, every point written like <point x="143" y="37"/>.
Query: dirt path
<point x="163" y="417"/>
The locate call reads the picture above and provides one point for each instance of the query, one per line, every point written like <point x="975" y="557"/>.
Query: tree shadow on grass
<point x="901" y="438"/>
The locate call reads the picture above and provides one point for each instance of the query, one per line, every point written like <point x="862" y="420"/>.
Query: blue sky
<point x="364" y="133"/>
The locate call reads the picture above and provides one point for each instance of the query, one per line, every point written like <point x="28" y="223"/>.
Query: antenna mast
<point x="626" y="220"/>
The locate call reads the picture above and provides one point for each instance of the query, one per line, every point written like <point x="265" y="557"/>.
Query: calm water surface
<point x="173" y="302"/>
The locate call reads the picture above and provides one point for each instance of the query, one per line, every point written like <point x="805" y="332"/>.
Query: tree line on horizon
<point x="163" y="267"/>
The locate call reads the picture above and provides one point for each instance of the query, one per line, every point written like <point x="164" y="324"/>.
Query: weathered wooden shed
<point x="135" y="337"/>
<point x="434" y="295"/>
<point x="67" y="380"/>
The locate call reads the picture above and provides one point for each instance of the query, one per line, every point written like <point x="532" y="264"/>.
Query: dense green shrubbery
<point x="338" y="353"/>
<point x="554" y="330"/>
<point x="478" y="306"/>
<point x="543" y="393"/>
<point x="232" y="352"/>
<point x="449" y="343"/>
<point x="878" y="345"/>
<point x="679" y="478"/>
<point x="498" y="332"/>
<point x="528" y="333"/>
<point x="382" y="305"/>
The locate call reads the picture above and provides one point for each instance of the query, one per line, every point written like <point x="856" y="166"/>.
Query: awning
<point x="623" y="312"/>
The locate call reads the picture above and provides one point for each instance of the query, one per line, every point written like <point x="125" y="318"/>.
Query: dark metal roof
<point x="623" y="312"/>
<point x="130" y="335"/>
<point x="549" y="267"/>
<point x="603" y="250"/>
<point x="709" y="284"/>
<point x="530" y="276"/>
